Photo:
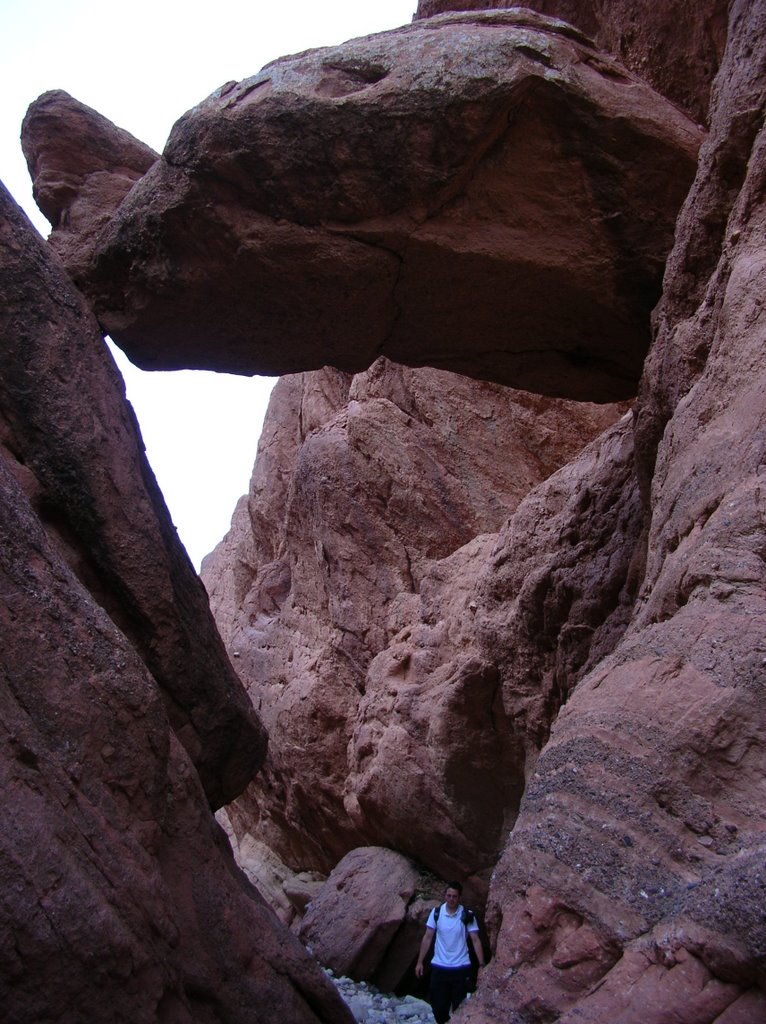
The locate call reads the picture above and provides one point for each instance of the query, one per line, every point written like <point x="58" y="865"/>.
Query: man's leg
<point x="459" y="984"/>
<point x="440" y="993"/>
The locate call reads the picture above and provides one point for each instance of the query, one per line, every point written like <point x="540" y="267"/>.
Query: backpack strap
<point x="467" y="916"/>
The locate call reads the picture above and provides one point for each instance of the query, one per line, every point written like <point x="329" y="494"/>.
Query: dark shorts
<point x="449" y="987"/>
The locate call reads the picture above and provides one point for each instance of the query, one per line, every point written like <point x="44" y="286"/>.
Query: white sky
<point x="143" y="65"/>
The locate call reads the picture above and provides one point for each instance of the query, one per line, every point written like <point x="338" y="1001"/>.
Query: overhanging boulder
<point x="484" y="192"/>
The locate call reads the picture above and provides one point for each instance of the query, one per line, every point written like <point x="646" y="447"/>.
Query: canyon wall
<point x="343" y="591"/>
<point x="515" y="639"/>
<point x="644" y="803"/>
<point x="122" y="720"/>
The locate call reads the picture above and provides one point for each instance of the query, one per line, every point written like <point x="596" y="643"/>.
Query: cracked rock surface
<point x="485" y="192"/>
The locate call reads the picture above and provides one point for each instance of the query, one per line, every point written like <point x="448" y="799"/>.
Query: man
<point x="451" y="962"/>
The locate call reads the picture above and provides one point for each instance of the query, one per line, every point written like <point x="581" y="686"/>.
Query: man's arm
<point x="476" y="940"/>
<point x="425" y="945"/>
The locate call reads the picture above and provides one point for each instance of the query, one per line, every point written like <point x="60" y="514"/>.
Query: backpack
<point x="467" y="917"/>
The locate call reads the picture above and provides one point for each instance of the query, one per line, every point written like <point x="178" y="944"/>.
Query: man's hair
<point x="455" y="885"/>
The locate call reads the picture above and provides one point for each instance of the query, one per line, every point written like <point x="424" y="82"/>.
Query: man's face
<point x="452" y="898"/>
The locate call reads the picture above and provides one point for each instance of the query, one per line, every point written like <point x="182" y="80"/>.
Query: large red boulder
<point x="501" y="194"/>
<point x="674" y="45"/>
<point x="364" y="918"/>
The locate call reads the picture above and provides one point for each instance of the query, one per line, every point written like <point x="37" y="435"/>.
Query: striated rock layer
<point x="501" y="194"/>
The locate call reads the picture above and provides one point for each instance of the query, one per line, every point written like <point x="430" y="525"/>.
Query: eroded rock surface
<point x="65" y="423"/>
<point x="344" y="595"/>
<point x="632" y="880"/>
<point x="82" y="167"/>
<point x="675" y="46"/>
<point x="120" y="897"/>
<point x="287" y="892"/>
<point x="501" y="194"/>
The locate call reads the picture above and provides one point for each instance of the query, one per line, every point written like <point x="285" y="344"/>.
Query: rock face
<point x="551" y="684"/>
<point x="82" y="167"/>
<point x="343" y="592"/>
<point x="630" y="885"/>
<point x="64" y="419"/>
<point x="433" y="169"/>
<point x="286" y="891"/>
<point x="121" y="900"/>
<point x="675" y="46"/>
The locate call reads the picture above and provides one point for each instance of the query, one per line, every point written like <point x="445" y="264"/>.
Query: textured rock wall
<point x="64" y="420"/>
<point x="675" y="46"/>
<point x="576" y="683"/>
<point x="341" y="591"/>
<point x="120" y="897"/>
<point x="631" y="883"/>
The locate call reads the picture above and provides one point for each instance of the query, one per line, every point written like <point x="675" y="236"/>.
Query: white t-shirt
<point x="451" y="947"/>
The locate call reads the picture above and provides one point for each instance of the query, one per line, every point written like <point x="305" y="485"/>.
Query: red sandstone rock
<point x="501" y="194"/>
<point x="360" y="912"/>
<point x="286" y="891"/>
<point x="120" y="898"/>
<point x="458" y="706"/>
<point x="65" y="421"/>
<point x="560" y="583"/>
<point x="675" y="46"/>
<point x="434" y="763"/>
<point x="632" y="885"/>
<point x="82" y="167"/>
<point x="343" y="593"/>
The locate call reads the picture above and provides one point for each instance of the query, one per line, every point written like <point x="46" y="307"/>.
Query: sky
<point x="143" y="65"/>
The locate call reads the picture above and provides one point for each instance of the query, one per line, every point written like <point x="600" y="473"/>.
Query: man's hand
<point x="425" y="945"/>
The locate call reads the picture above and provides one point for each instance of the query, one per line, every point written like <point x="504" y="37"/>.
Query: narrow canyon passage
<point x="493" y="606"/>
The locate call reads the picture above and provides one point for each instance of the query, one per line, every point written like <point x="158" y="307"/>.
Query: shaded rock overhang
<point x="485" y="193"/>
